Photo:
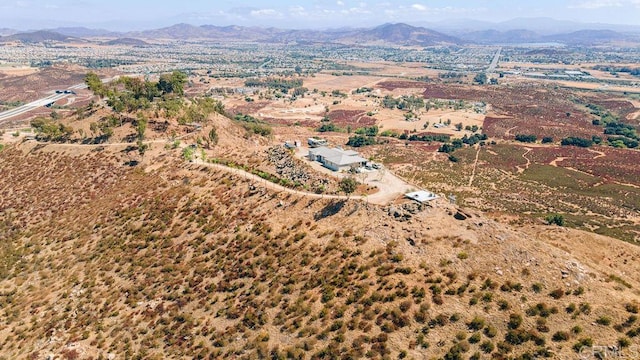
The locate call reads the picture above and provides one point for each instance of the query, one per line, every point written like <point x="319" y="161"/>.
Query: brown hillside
<point x="175" y="260"/>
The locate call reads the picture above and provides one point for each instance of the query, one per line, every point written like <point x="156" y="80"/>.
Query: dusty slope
<point x="182" y="262"/>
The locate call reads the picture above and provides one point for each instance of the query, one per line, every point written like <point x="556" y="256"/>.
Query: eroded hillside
<point x="176" y="260"/>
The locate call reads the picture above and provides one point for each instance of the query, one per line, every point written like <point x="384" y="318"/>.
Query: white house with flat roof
<point x="421" y="196"/>
<point x="337" y="159"/>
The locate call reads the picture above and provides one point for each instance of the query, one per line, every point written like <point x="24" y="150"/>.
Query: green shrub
<point x="476" y="323"/>
<point x="560" y="336"/>
<point x="604" y="320"/>
<point x="515" y="320"/>
<point x="582" y="343"/>
<point x="555" y="219"/>
<point x="487" y="347"/>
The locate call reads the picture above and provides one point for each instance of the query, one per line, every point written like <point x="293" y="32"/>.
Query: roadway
<point x="10" y="114"/>
<point x="494" y="63"/>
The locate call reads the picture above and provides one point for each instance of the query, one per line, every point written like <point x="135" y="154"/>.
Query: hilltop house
<point x="337" y="159"/>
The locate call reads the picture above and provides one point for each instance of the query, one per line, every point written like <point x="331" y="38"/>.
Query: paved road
<point x="9" y="114"/>
<point x="494" y="63"/>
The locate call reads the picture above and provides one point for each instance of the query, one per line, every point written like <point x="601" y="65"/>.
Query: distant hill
<point x="388" y="34"/>
<point x="500" y="37"/>
<point x="83" y="32"/>
<point x="591" y="37"/>
<point x="397" y="34"/>
<point x="540" y="25"/>
<point x="581" y="37"/>
<point x="7" y="32"/>
<point x="401" y="34"/>
<point x="127" y="42"/>
<point x="39" y="36"/>
<point x="175" y="32"/>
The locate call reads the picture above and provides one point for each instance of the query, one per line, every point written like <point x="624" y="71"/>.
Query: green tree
<point x="348" y="185"/>
<point x="94" y="84"/>
<point x="173" y="83"/>
<point x="141" y="126"/>
<point x="50" y="130"/>
<point x="481" y="79"/>
<point x="213" y="137"/>
<point x="556" y="219"/>
<point x="142" y="148"/>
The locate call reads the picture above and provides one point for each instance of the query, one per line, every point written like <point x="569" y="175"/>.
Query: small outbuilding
<point x="421" y="196"/>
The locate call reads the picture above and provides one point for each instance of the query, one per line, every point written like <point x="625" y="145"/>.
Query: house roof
<point x="344" y="160"/>
<point x="338" y="156"/>
<point x="421" y="196"/>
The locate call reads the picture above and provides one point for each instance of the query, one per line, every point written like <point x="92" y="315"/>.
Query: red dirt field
<point x="507" y="128"/>
<point x="621" y="107"/>
<point x="392" y="85"/>
<point x="526" y="108"/>
<point x="289" y="122"/>
<point x="612" y="164"/>
<point x="353" y="118"/>
<point x="248" y="108"/>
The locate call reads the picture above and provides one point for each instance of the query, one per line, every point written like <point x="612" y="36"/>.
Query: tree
<point x="348" y="185"/>
<point x="50" y="130"/>
<point x="459" y="126"/>
<point x="172" y="83"/>
<point x="481" y="79"/>
<point x="142" y="148"/>
<point x="141" y="126"/>
<point x="94" y="84"/>
<point x="526" y="138"/>
<point x="359" y="140"/>
<point x="576" y="141"/>
<point x="213" y="137"/>
<point x="555" y="219"/>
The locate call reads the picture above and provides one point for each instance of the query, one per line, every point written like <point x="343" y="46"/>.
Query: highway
<point x="9" y="114"/>
<point x="494" y="63"/>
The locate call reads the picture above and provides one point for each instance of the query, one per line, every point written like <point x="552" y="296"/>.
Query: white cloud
<point x="298" y="10"/>
<point x="265" y="13"/>
<point x="355" y="10"/>
<point x="597" y="4"/>
<point x="419" y="7"/>
<point x="340" y="3"/>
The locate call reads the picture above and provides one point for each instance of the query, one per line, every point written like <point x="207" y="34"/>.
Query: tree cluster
<point x="51" y="130"/>
<point x="526" y="138"/>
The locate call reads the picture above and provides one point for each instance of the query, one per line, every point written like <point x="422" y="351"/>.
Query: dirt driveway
<point x="389" y="185"/>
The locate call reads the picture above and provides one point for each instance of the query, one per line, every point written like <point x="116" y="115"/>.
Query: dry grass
<point x="188" y="262"/>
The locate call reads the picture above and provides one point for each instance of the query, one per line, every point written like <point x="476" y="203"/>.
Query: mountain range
<point x="396" y="34"/>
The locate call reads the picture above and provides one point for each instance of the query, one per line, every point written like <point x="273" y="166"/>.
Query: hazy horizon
<point x="126" y="15"/>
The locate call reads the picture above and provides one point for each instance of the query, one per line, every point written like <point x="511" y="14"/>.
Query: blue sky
<point x="302" y="14"/>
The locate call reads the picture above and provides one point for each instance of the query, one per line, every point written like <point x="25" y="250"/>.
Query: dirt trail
<point x="600" y="153"/>
<point x="389" y="185"/>
<point x="380" y="198"/>
<point x="475" y="165"/>
<point x="526" y="166"/>
<point x="557" y="160"/>
<point x="508" y="132"/>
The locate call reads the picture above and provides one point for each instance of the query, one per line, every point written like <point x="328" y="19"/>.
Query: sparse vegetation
<point x="179" y="259"/>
